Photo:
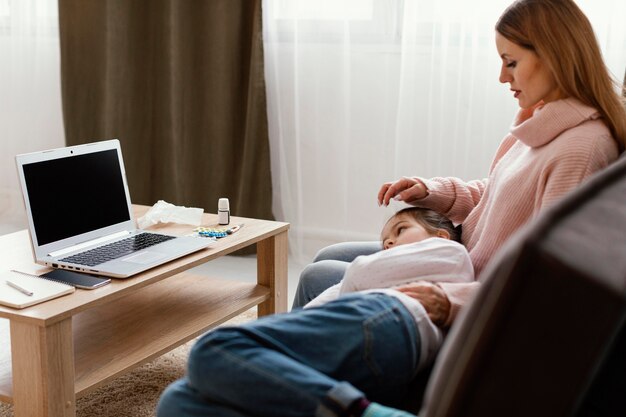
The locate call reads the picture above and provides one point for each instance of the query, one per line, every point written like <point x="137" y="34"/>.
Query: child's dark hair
<point x="432" y="221"/>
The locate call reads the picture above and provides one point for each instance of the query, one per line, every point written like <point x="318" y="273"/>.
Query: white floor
<point x="7" y="227"/>
<point x="243" y="268"/>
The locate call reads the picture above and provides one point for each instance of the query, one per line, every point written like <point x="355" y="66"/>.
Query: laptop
<point x="80" y="215"/>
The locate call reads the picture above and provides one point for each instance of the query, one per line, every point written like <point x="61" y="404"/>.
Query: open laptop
<point x="80" y="215"/>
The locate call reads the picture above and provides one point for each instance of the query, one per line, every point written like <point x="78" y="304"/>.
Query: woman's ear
<point x="444" y="234"/>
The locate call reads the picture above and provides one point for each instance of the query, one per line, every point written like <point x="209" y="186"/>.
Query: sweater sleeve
<point x="459" y="295"/>
<point x="455" y="198"/>
<point x="570" y="167"/>
<point x="452" y="197"/>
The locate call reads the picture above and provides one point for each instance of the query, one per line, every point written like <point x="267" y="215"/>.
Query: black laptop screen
<point x="76" y="194"/>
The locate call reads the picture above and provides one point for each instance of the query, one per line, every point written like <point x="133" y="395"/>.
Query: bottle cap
<point x="223" y="204"/>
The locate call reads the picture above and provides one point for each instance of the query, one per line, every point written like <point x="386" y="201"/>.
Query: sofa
<point x="545" y="334"/>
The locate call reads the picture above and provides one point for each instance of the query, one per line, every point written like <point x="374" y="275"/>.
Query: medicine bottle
<point x="223" y="211"/>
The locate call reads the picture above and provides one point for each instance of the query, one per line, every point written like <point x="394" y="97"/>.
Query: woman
<point x="347" y="356"/>
<point x="560" y="40"/>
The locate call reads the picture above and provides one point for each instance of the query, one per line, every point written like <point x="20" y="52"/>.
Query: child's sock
<point x="377" y="410"/>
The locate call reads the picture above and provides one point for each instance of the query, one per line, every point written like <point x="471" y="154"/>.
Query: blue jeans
<point x="311" y="362"/>
<point x="328" y="268"/>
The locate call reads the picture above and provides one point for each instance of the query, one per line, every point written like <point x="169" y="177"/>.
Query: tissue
<point x="164" y="212"/>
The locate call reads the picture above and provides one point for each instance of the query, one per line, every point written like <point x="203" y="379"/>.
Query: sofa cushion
<point x="549" y="307"/>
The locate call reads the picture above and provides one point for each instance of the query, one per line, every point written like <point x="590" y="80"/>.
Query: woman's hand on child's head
<point x="432" y="297"/>
<point x="405" y="189"/>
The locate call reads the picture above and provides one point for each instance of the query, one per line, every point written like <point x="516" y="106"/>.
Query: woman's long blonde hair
<point x="561" y="35"/>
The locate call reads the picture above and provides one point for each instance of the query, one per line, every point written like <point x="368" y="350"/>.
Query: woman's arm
<point x="449" y="196"/>
<point x="443" y="300"/>
<point x="452" y="196"/>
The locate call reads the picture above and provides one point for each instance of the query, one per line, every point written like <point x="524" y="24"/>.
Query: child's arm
<point x="434" y="259"/>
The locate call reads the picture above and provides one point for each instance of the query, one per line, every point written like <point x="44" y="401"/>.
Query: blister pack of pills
<point x="212" y="232"/>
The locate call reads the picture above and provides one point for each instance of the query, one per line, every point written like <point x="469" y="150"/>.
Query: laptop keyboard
<point x="117" y="249"/>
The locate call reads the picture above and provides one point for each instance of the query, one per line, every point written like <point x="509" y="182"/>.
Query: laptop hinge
<point x="88" y="243"/>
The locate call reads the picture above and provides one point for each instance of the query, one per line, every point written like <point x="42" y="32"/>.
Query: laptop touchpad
<point x="145" y="257"/>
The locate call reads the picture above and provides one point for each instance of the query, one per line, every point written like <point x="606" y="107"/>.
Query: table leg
<point x="272" y="272"/>
<point x="43" y="369"/>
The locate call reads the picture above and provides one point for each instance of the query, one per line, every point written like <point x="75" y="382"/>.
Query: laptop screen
<point x="75" y="194"/>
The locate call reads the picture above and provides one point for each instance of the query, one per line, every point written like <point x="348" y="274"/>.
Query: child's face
<point x="403" y="229"/>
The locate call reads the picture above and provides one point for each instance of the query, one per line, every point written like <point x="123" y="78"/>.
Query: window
<point x="328" y="21"/>
<point x="34" y="18"/>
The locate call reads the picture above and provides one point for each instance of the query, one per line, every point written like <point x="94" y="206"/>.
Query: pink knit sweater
<point x="550" y="150"/>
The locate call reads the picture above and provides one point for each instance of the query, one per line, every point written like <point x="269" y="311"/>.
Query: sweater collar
<point x="539" y="125"/>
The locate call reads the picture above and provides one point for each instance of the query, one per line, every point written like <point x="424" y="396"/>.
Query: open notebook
<point x="41" y="288"/>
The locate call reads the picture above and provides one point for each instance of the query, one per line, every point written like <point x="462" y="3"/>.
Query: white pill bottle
<point x="223" y="211"/>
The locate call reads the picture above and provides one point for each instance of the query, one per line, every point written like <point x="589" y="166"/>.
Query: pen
<point x="20" y="289"/>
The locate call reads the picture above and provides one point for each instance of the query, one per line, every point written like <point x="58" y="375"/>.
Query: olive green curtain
<point x="181" y="84"/>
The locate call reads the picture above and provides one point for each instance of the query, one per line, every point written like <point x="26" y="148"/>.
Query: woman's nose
<point x="505" y="77"/>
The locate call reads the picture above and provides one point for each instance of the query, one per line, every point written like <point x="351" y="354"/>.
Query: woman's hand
<point x="405" y="189"/>
<point x="432" y="297"/>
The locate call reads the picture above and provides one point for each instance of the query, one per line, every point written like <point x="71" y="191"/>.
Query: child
<point x="419" y="245"/>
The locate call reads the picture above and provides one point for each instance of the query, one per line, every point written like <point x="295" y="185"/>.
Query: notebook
<point x="80" y="215"/>
<point x="41" y="289"/>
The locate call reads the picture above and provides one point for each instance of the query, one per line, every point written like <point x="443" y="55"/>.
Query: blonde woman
<point x="571" y="124"/>
<point x="357" y="355"/>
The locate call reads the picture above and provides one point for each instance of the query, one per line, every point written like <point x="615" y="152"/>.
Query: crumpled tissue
<point x="164" y="212"/>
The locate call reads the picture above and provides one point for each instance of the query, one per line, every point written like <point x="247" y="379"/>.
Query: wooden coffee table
<point x="67" y="347"/>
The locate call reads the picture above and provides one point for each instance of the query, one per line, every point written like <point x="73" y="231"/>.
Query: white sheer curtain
<point x="30" y="94"/>
<point x="361" y="92"/>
